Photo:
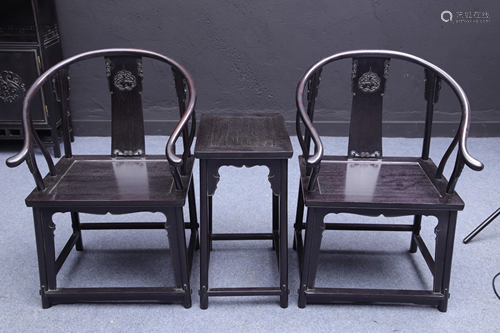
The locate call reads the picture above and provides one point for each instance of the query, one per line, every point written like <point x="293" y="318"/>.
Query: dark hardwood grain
<point x="243" y="136"/>
<point x="364" y="182"/>
<point x="122" y="182"/>
<point x="242" y="139"/>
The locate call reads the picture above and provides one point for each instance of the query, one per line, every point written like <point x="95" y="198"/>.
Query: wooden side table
<point x="244" y="140"/>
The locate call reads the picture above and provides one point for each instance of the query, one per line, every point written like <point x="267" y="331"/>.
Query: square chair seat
<point x="84" y="180"/>
<point x="397" y="183"/>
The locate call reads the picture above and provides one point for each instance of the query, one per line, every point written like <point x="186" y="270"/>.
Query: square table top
<point x="243" y="135"/>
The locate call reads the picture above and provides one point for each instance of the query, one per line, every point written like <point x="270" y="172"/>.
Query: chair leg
<point x="75" y="223"/>
<point x="48" y="228"/>
<point x="42" y="262"/>
<point x="312" y="243"/>
<point x="299" y="218"/>
<point x="177" y="241"/>
<point x="445" y="235"/>
<point x="192" y="214"/>
<point x="417" y="223"/>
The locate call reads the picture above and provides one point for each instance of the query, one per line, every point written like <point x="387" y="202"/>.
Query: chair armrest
<point x="27" y="154"/>
<point x="312" y="79"/>
<point x="188" y="113"/>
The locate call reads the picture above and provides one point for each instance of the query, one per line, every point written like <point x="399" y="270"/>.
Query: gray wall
<point x="249" y="55"/>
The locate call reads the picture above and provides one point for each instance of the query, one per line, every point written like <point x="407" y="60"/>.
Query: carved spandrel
<point x="429" y="77"/>
<point x="313" y="86"/>
<point x="214" y="176"/>
<point x="56" y="85"/>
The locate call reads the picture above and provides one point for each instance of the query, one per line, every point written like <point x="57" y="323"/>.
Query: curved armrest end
<point x="17" y="159"/>
<point x="473" y="163"/>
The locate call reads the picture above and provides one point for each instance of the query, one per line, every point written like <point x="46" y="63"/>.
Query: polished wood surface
<point x="124" y="181"/>
<point x="242" y="139"/>
<point x="378" y="183"/>
<point x="365" y="182"/>
<point x="104" y="181"/>
<point x="254" y="135"/>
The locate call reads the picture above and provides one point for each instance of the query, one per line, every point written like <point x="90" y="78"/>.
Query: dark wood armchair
<point x="366" y="182"/>
<point x="126" y="180"/>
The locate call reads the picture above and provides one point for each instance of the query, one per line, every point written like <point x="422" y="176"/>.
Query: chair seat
<point x="395" y="183"/>
<point x="88" y="180"/>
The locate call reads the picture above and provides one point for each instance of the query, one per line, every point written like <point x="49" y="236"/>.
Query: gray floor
<point x="243" y="202"/>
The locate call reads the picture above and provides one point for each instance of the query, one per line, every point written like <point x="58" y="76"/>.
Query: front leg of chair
<point x="48" y="229"/>
<point x="177" y="241"/>
<point x="42" y="261"/>
<point x="312" y="243"/>
<point x="445" y="235"/>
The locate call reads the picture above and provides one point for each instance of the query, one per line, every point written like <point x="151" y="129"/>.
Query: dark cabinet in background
<point x="29" y="45"/>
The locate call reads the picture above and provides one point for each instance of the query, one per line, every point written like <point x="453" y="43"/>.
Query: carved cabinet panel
<point x="18" y="70"/>
<point x="29" y="45"/>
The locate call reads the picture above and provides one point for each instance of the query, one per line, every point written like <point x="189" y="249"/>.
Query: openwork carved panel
<point x="369" y="82"/>
<point x="375" y="154"/>
<point x="11" y="87"/>
<point x="428" y="83"/>
<point x="117" y="152"/>
<point x="354" y="72"/>
<point x="125" y="80"/>
<point x="139" y="68"/>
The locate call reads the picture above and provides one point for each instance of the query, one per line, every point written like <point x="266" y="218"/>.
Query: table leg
<point x="204" y="235"/>
<point x="283" y="243"/>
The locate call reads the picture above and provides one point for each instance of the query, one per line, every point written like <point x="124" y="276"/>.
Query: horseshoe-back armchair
<point x="367" y="182"/>
<point x="121" y="181"/>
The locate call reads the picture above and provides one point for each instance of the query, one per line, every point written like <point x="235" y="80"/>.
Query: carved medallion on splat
<point x="11" y="87"/>
<point x="125" y="80"/>
<point x="369" y="82"/>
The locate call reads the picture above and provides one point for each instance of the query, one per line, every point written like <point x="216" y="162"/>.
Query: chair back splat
<point x="125" y="85"/>
<point x="367" y="182"/>
<point x="369" y="76"/>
